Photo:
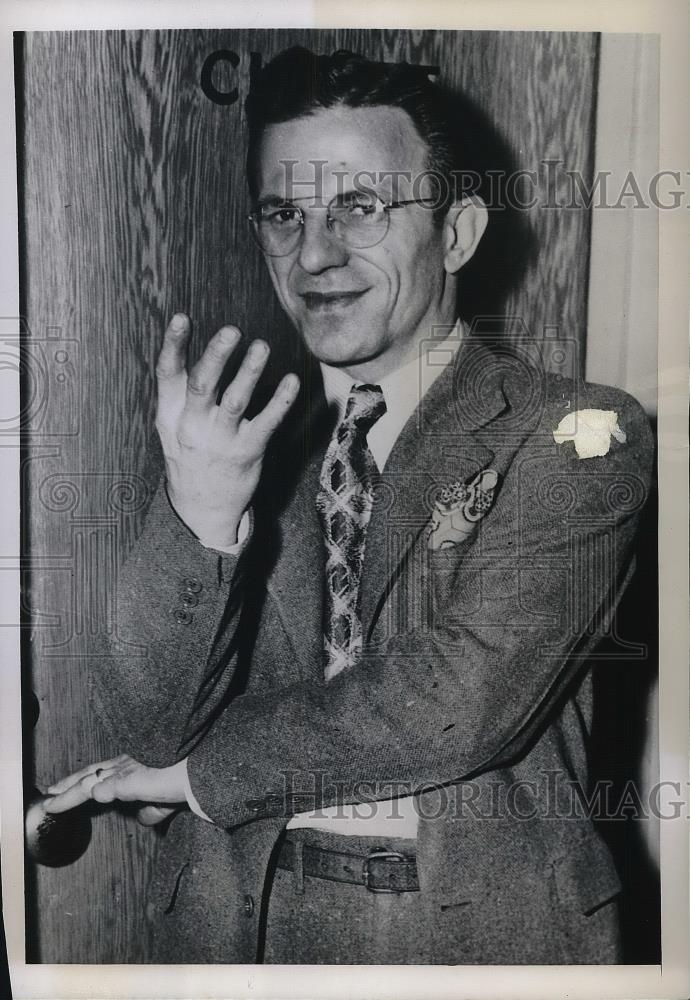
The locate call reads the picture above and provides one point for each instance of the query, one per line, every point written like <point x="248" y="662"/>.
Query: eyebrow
<point x="272" y="199"/>
<point x="279" y="199"/>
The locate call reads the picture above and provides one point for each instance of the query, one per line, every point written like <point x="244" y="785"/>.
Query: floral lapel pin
<point x="459" y="508"/>
<point x="590" y="431"/>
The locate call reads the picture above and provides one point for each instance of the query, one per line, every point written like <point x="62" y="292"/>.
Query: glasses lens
<point x="277" y="227"/>
<point x="360" y="219"/>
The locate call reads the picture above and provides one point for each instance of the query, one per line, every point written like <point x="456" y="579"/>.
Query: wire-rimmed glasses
<point x="359" y="218"/>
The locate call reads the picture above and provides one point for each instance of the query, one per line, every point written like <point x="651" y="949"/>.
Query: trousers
<point x="313" y="921"/>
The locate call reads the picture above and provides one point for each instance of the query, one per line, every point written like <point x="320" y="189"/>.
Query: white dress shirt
<point x="402" y="390"/>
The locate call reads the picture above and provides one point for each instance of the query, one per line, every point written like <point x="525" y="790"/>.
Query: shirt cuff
<point x="243" y="532"/>
<point x="191" y="797"/>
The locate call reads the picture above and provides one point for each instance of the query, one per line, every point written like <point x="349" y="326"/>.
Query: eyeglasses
<point x="359" y="218"/>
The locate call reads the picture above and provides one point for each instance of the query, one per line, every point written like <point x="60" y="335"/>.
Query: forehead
<point x="346" y="141"/>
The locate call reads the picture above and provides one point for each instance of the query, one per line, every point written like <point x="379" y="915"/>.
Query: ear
<point x="463" y="227"/>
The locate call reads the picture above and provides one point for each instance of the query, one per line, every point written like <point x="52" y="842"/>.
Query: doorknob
<point x="51" y="839"/>
<point x="55" y="839"/>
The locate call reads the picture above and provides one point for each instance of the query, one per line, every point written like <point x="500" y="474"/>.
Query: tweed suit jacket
<point x="472" y="691"/>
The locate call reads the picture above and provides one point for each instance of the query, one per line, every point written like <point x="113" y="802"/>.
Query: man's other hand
<point x="126" y="780"/>
<point x="213" y="454"/>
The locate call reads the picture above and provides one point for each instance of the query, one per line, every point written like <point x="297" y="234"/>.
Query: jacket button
<point x="182" y="616"/>
<point x="273" y="804"/>
<point x="249" y="905"/>
<point x="254" y="805"/>
<point x="192" y="585"/>
<point x="189" y="600"/>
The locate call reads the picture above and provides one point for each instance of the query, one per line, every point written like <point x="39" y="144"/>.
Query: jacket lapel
<point x="451" y="436"/>
<point x="461" y="426"/>
<point x="296" y="582"/>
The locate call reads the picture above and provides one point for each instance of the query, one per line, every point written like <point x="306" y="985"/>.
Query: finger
<point x="238" y="394"/>
<point x="202" y="383"/>
<point x="151" y="815"/>
<point x="170" y="367"/>
<point x="74" y="796"/>
<point x="105" y="772"/>
<point x="137" y="783"/>
<point x="266" y="422"/>
<point x="72" y="779"/>
<point x="121" y="785"/>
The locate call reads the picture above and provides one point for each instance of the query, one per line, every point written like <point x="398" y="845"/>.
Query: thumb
<point x="151" y="815"/>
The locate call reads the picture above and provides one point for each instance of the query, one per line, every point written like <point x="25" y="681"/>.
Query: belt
<point x="378" y="871"/>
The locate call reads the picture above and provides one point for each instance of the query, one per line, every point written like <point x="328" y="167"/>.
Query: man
<point x="364" y="616"/>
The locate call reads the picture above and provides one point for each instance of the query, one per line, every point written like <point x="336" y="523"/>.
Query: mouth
<point x="324" y="301"/>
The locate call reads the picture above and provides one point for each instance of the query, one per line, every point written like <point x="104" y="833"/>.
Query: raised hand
<point x="213" y="454"/>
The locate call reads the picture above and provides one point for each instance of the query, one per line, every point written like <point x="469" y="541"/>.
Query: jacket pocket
<point x="166" y="884"/>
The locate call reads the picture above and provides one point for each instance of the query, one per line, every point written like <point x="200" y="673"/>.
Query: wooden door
<point x="132" y="206"/>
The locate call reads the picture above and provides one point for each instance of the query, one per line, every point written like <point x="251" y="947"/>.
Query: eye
<point x="280" y="215"/>
<point x="361" y="203"/>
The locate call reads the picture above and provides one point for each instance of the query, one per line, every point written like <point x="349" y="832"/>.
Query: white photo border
<point x="670" y="19"/>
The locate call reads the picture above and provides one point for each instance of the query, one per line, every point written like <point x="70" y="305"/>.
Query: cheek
<point x="279" y="272"/>
<point x="430" y="250"/>
<point x="423" y="252"/>
<point x="412" y="270"/>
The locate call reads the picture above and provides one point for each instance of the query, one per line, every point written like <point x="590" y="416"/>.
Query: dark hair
<point x="297" y="83"/>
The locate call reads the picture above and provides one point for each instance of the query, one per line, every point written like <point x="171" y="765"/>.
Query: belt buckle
<point x="380" y="854"/>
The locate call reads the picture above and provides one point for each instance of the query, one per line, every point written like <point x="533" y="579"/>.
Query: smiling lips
<point x="329" y="300"/>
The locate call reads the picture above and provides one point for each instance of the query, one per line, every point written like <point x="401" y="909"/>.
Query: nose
<point x="320" y="247"/>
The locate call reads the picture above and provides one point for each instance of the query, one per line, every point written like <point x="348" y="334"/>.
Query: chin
<point x="339" y="348"/>
<point x="336" y="358"/>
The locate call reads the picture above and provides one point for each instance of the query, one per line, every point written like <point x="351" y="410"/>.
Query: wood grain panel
<point x="134" y="206"/>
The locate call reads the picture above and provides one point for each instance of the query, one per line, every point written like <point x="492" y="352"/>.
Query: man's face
<point x="356" y="307"/>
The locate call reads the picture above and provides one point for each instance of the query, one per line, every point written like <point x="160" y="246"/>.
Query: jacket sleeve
<point x="513" y="616"/>
<point x="165" y="671"/>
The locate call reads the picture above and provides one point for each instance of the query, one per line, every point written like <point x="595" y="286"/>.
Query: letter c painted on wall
<point x="213" y="94"/>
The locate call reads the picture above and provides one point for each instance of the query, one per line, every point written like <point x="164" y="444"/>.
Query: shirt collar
<point x="404" y="388"/>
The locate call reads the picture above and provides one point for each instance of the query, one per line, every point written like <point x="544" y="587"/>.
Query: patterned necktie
<point x="344" y="503"/>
